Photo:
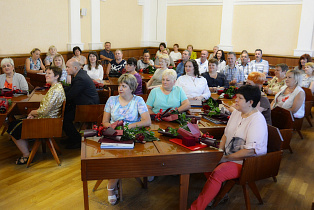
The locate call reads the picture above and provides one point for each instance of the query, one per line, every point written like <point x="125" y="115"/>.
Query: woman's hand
<point x="33" y="114"/>
<point x="198" y="98"/>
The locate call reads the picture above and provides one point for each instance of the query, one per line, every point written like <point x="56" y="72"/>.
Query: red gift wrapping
<point x="189" y="141"/>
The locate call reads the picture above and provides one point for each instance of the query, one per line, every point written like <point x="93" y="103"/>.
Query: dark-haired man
<point x="259" y="64"/>
<point x="106" y="55"/>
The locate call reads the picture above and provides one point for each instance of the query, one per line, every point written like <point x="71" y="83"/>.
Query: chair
<point x="104" y="95"/>
<point x="44" y="130"/>
<point x="144" y="87"/>
<point x="283" y="120"/>
<point x="257" y="168"/>
<point x="89" y="114"/>
<point x="308" y="104"/>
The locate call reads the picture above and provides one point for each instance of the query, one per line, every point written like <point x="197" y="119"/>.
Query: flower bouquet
<point x="149" y="70"/>
<point x="229" y="93"/>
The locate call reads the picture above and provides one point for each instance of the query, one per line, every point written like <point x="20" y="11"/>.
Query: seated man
<point x="116" y="66"/>
<point x="259" y="64"/>
<point x="81" y="92"/>
<point x="202" y="62"/>
<point x="106" y="55"/>
<point x="180" y="68"/>
<point x="245" y="65"/>
<point x="232" y="72"/>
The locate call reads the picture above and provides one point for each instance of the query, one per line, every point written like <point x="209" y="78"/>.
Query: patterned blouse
<point x="306" y="82"/>
<point x="34" y="66"/>
<point x="51" y="104"/>
<point x="274" y="85"/>
<point x="130" y="113"/>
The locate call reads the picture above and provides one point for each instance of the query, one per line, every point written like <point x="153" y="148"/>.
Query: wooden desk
<point x="38" y="79"/>
<point x="146" y="77"/>
<point x="156" y="158"/>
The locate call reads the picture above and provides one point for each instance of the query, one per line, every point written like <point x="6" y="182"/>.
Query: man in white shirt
<point x="245" y="65"/>
<point x="259" y="64"/>
<point x="202" y="62"/>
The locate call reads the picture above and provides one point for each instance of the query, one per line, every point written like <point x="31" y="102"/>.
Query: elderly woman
<point x="146" y="61"/>
<point x="155" y="81"/>
<point x="52" y="51"/>
<point x="116" y="67"/>
<point x="129" y="108"/>
<point x="50" y="107"/>
<point x="193" y="54"/>
<point x="258" y="79"/>
<point x="245" y="136"/>
<point x="58" y="61"/>
<point x="175" y="54"/>
<point x="33" y="64"/>
<point x="93" y="67"/>
<point x="130" y="68"/>
<point x="77" y="55"/>
<point x="168" y="95"/>
<point x="220" y="56"/>
<point x="308" y="78"/>
<point x="194" y="86"/>
<point x="291" y="96"/>
<point x="214" y="79"/>
<point x="278" y="81"/>
<point x="10" y="79"/>
<point x="305" y="58"/>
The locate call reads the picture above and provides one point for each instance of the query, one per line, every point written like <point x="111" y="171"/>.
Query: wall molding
<point x="219" y="2"/>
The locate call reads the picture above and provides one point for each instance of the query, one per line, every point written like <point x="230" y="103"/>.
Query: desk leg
<point x="184" y="190"/>
<point x="85" y="193"/>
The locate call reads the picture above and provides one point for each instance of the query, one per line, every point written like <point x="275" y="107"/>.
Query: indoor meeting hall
<point x="157" y="104"/>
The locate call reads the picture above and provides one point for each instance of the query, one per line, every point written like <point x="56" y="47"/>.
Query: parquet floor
<point x="47" y="186"/>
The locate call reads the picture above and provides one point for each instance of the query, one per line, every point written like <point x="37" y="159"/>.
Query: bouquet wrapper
<point x="165" y="116"/>
<point x="190" y="138"/>
<point x="90" y="133"/>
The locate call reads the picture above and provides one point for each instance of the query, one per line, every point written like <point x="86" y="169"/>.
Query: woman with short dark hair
<point x="245" y="136"/>
<point x="77" y="55"/>
<point x="130" y="68"/>
<point x="220" y="56"/>
<point x="305" y="58"/>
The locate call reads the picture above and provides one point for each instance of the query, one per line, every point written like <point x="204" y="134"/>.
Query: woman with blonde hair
<point x="155" y="81"/>
<point x="33" y="64"/>
<point x="52" y="51"/>
<point x="58" y="61"/>
<point x="308" y="78"/>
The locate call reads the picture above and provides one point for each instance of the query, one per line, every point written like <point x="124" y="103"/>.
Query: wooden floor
<point x="47" y="186"/>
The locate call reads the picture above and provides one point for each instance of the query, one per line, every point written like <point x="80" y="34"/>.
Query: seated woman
<point x="52" y="51"/>
<point x="308" y="78"/>
<point x="116" y="67"/>
<point x="164" y="52"/>
<point x="175" y="54"/>
<point x="245" y="136"/>
<point x="130" y="68"/>
<point x="33" y="64"/>
<point x="258" y="79"/>
<point x="193" y="54"/>
<point x="58" y="61"/>
<point x="129" y="108"/>
<point x="155" y="81"/>
<point x="162" y="47"/>
<point x="77" y="55"/>
<point x="94" y="68"/>
<point x="214" y="79"/>
<point x="168" y="95"/>
<point x="50" y="107"/>
<point x="194" y="86"/>
<point x="220" y="56"/>
<point x="10" y="79"/>
<point x="278" y="81"/>
<point x="145" y="62"/>
<point x="291" y="96"/>
<point x="305" y="58"/>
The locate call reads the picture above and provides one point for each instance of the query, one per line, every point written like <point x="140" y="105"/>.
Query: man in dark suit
<point x="81" y="92"/>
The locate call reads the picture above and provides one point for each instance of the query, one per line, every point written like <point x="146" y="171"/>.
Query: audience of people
<point x="193" y="84"/>
<point x="167" y="95"/>
<point x="93" y="67"/>
<point x="34" y="64"/>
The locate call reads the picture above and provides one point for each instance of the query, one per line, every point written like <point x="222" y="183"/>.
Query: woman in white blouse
<point x="93" y="67"/>
<point x="220" y="56"/>
<point x="308" y="77"/>
<point x="175" y="54"/>
<point x="194" y="85"/>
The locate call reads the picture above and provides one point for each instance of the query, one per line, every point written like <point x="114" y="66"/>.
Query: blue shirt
<point x="129" y="113"/>
<point x="180" y="69"/>
<point x="158" y="100"/>
<point x="108" y="55"/>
